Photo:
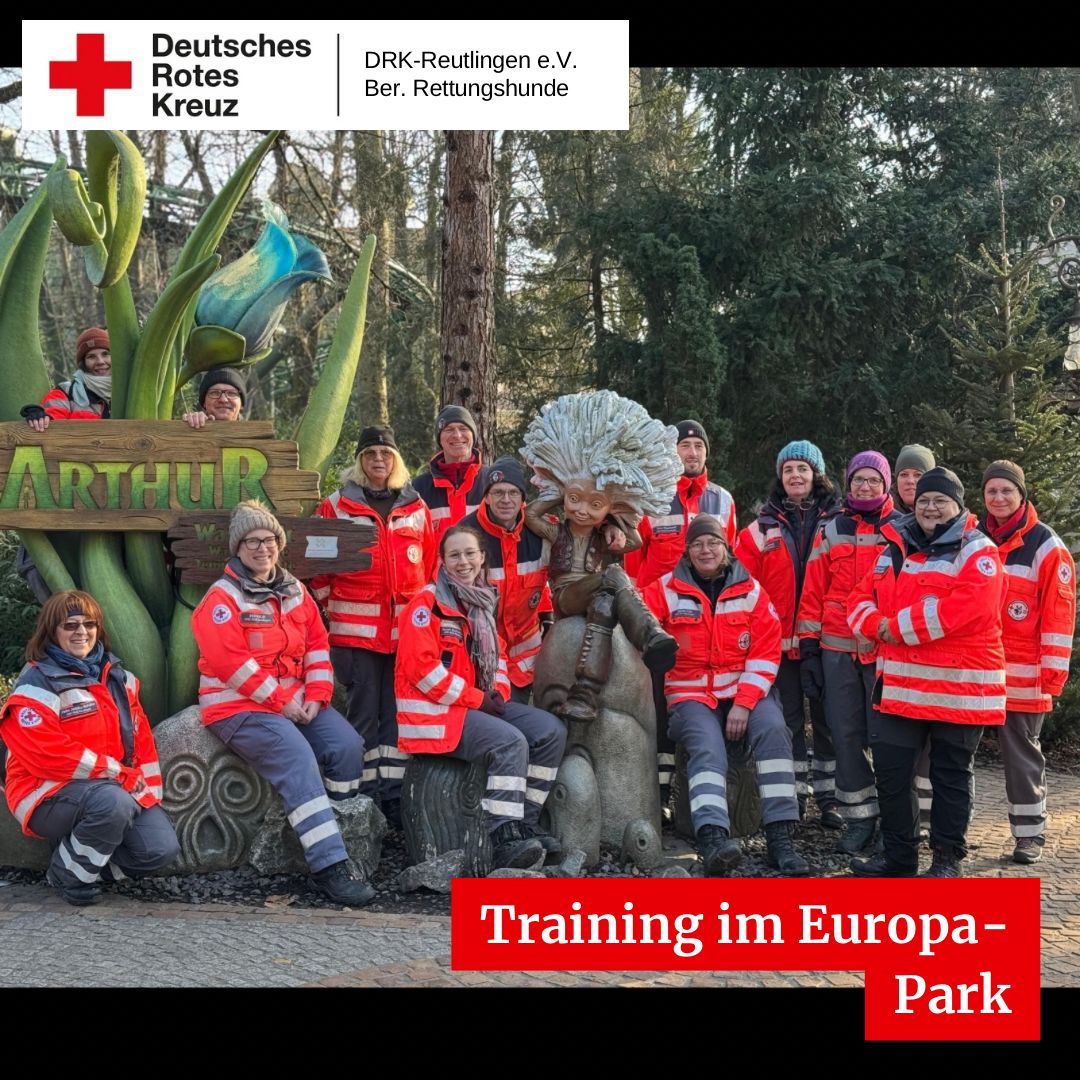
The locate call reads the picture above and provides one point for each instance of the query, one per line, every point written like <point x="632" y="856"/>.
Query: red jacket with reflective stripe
<point x="59" y="727"/>
<point x="434" y="677"/>
<point x="258" y="657"/>
<point x="1038" y="613"/>
<point x="448" y="505"/>
<point x="59" y="406"/>
<point x="732" y="651"/>
<point x="517" y="561"/>
<point x="844" y="552"/>
<point x="663" y="537"/>
<point x="364" y="605"/>
<point x="943" y="606"/>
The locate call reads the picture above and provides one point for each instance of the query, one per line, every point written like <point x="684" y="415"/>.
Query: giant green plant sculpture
<point x="190" y="329"/>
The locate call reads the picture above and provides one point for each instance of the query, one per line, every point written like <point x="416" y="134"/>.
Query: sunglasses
<point x="71" y="626"/>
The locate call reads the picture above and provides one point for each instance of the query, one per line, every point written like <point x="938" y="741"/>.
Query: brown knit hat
<point x="704" y="525"/>
<point x="93" y="338"/>
<point x="1006" y="470"/>
<point x="248" y="516"/>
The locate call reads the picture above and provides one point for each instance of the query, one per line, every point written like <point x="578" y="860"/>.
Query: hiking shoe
<point x="880" y="866"/>
<point x="510" y="847"/>
<point x="857" y="836"/>
<point x="719" y="852"/>
<point x="336" y="882"/>
<point x="76" y="895"/>
<point x="946" y="864"/>
<point x="551" y="844"/>
<point x="830" y="817"/>
<point x="1028" y="850"/>
<point x="782" y="853"/>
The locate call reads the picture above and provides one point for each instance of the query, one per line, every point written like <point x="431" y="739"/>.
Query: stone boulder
<point x="16" y="848"/>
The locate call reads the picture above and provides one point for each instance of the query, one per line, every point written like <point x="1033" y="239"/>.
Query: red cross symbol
<point x="89" y="74"/>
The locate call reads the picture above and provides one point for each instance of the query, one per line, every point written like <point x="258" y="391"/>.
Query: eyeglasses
<point x="931" y="504"/>
<point x="1001" y="493"/>
<point x="71" y="626"/>
<point x="709" y="543"/>
<point x="253" y="543"/>
<point x="866" y="482"/>
<point x="474" y="553"/>
<point x="223" y="395"/>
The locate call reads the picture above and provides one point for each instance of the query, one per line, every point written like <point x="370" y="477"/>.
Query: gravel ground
<point x="246" y="887"/>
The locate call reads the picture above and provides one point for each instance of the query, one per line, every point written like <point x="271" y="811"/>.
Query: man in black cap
<point x="517" y="561"/>
<point x="453" y="486"/>
<point x="222" y="392"/>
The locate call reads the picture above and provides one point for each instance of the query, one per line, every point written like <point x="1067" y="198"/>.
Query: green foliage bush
<point x="18" y="612"/>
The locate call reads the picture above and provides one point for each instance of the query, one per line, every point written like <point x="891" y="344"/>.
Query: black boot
<point x="551" y="844"/>
<point x="718" y="851"/>
<point x="946" y="864"/>
<point x="879" y="866"/>
<point x="781" y="850"/>
<point x="510" y="847"/>
<point x="594" y="663"/>
<point x="857" y="835"/>
<point x="76" y="895"/>
<point x="337" y="882"/>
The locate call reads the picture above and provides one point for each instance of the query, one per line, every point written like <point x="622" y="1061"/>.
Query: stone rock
<point x="434" y="874"/>
<point x="607" y="779"/>
<point x="18" y="849"/>
<point x="216" y="802"/>
<point x="572" y="865"/>
<point x="441" y="812"/>
<point x="672" y="871"/>
<point x="744" y="799"/>
<point x="513" y="871"/>
<point x="275" y="848"/>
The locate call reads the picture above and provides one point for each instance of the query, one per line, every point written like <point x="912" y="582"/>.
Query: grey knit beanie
<point x="248" y="516"/>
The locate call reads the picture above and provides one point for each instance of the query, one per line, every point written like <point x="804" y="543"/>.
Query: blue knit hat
<point x="801" y="450"/>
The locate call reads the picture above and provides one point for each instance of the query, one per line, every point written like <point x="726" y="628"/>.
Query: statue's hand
<point x="614" y="537"/>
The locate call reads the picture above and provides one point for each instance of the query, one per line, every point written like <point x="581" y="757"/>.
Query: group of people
<point x="906" y="623"/>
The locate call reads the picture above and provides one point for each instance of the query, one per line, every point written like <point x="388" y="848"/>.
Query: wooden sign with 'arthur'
<point x="132" y="475"/>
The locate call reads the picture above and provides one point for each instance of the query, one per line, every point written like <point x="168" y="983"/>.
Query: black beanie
<point x="691" y="429"/>
<point x="227" y="375"/>
<point x="454" y="414"/>
<point x="375" y="436"/>
<point x="505" y="470"/>
<point x="705" y="525"/>
<point x="942" y="480"/>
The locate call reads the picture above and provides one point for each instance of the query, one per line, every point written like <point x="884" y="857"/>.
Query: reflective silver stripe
<point x="347" y="607"/>
<point x="342" y="785"/>
<point x="264" y="689"/>
<point x="529" y="643"/>
<point x="702" y="680"/>
<point x="923" y="783"/>
<point x="762" y="665"/>
<point x="88" y="853"/>
<point x="925" y="803"/>
<point x="707" y="777"/>
<point x="75" y="697"/>
<point x="698" y="801"/>
<point x="825" y="764"/>
<point x="318" y="656"/>
<point x="808" y="626"/>
<point x="291" y="602"/>
<point x="87" y="761"/>
<point x="26" y="804"/>
<point x="1027" y="809"/>
<point x="80" y="872"/>
<point x="789" y="643"/>
<point x="506" y="783"/>
<point x="154" y="789"/>
<point x="241" y="675"/>
<point x="665" y="520"/>
<point x="502" y="664"/>
<point x="369" y="774"/>
<point x="1023" y="671"/>
<point x="776" y="764"/>
<point x="542" y="772"/>
<point x="394" y="752"/>
<point x="439" y="512"/>
<point x="112" y="768"/>
<point x="857" y="796"/>
<point x="372" y="754"/>
<point x="532" y="566"/>
<point x="859" y="614"/>
<point x="320" y="832"/>
<point x="823" y="786"/>
<point x="931" y="566"/>
<point x="528" y="664"/>
<point x="220" y="699"/>
<point x="777" y="791"/>
<point x="422" y="731"/>
<point x="907" y="629"/>
<point x="305" y="810"/>
<point x="319" y="675"/>
<point x="868" y="809"/>
<point x="503" y="809"/>
<point x="432" y="679"/>
<point x="661" y="759"/>
<point x="347" y="629"/>
<point x="838" y="642"/>
<point x="414" y="520"/>
<point x="1057" y="663"/>
<point x="392" y="772"/>
<point x="946" y="701"/>
<point x="454" y="691"/>
<point x="1063" y="641"/>
<point x="150" y="769"/>
<point x="36" y="693"/>
<point x="1025" y="693"/>
<point x="1029" y="830"/>
<point x="321" y="594"/>
<point x="925" y="671"/>
<point x="535" y="795"/>
<point x="1028" y="573"/>
<point x="418" y="705"/>
<point x="496" y="573"/>
<point x="1045" y="548"/>
<point x="933" y="623"/>
<point x="764" y="685"/>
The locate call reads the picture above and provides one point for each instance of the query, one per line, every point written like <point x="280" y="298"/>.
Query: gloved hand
<point x="493" y="703"/>
<point x="547" y="621"/>
<point x="811" y="673"/>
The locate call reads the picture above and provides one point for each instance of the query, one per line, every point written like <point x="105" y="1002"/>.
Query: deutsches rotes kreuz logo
<point x="29" y="717"/>
<point x="221" y="614"/>
<point x="1065" y="573"/>
<point x="421" y="617"/>
<point x="986" y="566"/>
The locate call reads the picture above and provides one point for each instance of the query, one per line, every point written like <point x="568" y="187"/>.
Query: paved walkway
<point x="46" y="942"/>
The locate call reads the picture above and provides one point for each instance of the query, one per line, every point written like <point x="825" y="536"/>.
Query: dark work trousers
<point x="823" y="780"/>
<point x="701" y="730"/>
<point x="521" y="751"/>
<point x="294" y="759"/>
<point x="665" y="744"/>
<point x="371" y="708"/>
<point x="1025" y="773"/>
<point x="923" y="788"/>
<point x="849" y="686"/>
<point x="521" y="694"/>
<point x="98" y="830"/>
<point x="895" y="742"/>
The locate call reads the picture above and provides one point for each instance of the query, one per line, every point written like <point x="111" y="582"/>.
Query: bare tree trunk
<point x="504" y="184"/>
<point x="468" y="293"/>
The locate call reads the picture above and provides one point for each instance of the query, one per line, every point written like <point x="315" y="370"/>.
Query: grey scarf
<point x="282" y="585"/>
<point x="479" y="603"/>
<point x="83" y="381"/>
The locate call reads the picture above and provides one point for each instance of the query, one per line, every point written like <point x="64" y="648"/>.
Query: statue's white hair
<point x="610" y="440"/>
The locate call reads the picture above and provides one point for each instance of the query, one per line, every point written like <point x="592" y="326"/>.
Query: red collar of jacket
<point x="1014" y="528"/>
<point x="691" y="487"/>
<point x="456" y="472"/>
<point x="490" y="525"/>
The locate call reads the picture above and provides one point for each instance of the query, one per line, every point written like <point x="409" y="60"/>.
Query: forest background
<point x="845" y="255"/>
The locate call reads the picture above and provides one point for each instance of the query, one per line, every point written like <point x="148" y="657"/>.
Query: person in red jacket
<point x="836" y="666"/>
<point x="721" y="689"/>
<point x="775" y="549"/>
<point x="1037" y="629"/>
<point x="87" y="394"/>
<point x="453" y="485"/>
<point x="933" y="604"/>
<point x="517" y="561"/>
<point x="363" y="605"/>
<point x="265" y="690"/>
<point x="82" y="768"/>
<point x="453" y="697"/>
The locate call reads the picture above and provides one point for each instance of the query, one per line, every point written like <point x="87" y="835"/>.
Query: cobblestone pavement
<point x="46" y="942"/>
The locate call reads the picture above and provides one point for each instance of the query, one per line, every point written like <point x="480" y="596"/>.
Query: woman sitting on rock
<point x="264" y="658"/>
<point x="453" y="698"/>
